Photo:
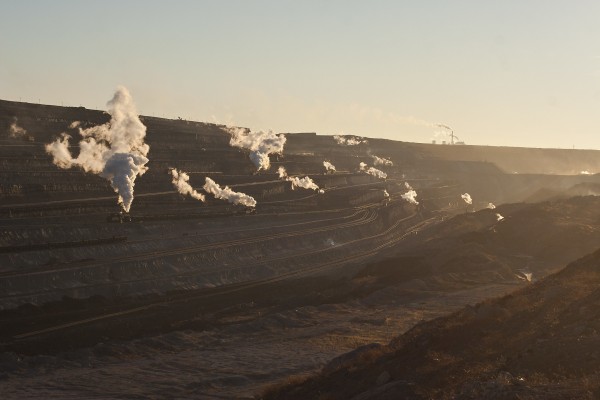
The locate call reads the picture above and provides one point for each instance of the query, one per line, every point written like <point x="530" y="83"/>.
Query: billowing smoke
<point x="227" y="194"/>
<point x="282" y="173"/>
<point x="180" y="182"/>
<point x="349" y="140"/>
<point x="305" y="183"/>
<point x="260" y="144"/>
<point x="116" y="150"/>
<point x="372" y="171"/>
<point x="499" y="217"/>
<point x="74" y="124"/>
<point x="467" y="198"/>
<point x="382" y="161"/>
<point x="491" y="206"/>
<point x="15" y="130"/>
<point x="407" y="185"/>
<point x="411" y="197"/>
<point x="585" y="173"/>
<point x="329" y="167"/>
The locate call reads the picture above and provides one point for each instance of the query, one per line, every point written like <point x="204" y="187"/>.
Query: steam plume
<point x="491" y="206"/>
<point x="260" y="144"/>
<point x="15" y="130"/>
<point x="382" y="161"/>
<point x="116" y="150"/>
<point x="180" y="182"/>
<point x="282" y="173"/>
<point x="305" y="183"/>
<point x="372" y="171"/>
<point x="227" y="194"/>
<point x="467" y="198"/>
<point x="407" y="185"/>
<point x="585" y="173"/>
<point x="499" y="217"/>
<point x="74" y="124"/>
<point x="411" y="197"/>
<point x="329" y="166"/>
<point x="386" y="195"/>
<point x="349" y="140"/>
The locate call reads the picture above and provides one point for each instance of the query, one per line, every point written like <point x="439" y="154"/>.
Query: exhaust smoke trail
<point x="116" y="150"/>
<point x="305" y="183"/>
<point x="411" y="197"/>
<point x="227" y="194"/>
<point x="467" y="198"/>
<point x="329" y="167"/>
<point x="15" y="130"/>
<point x="372" y="171"/>
<point x="260" y="144"/>
<point x="382" y="161"/>
<point x="180" y="182"/>
<point x="349" y="140"/>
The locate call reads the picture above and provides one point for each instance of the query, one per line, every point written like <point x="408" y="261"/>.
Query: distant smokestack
<point x="227" y="194"/>
<point x="180" y="182"/>
<point x="116" y="150"/>
<point x="260" y="144"/>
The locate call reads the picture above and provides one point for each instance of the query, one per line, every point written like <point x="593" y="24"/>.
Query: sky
<point x="511" y="73"/>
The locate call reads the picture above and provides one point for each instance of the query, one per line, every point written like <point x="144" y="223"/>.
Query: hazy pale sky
<point x="520" y="73"/>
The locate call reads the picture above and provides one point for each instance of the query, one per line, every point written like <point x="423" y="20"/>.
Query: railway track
<point x="239" y="287"/>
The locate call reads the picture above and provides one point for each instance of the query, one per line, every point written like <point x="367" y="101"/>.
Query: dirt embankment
<point x="539" y="342"/>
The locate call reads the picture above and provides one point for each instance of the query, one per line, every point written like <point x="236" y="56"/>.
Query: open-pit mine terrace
<point x="71" y="280"/>
<point x="55" y="240"/>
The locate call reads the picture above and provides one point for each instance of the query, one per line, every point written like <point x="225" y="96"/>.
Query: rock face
<point x="540" y="342"/>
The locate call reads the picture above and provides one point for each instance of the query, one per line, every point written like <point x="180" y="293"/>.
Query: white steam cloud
<point x="260" y="144"/>
<point x="386" y="195"/>
<point x="180" y="182"/>
<point x="585" y="173"/>
<point x="499" y="217"/>
<point x="372" y="171"/>
<point x="411" y="197"/>
<point x="382" y="161"/>
<point x="329" y="166"/>
<point x="74" y="124"/>
<point x="407" y="185"/>
<point x="15" y="130"/>
<point x="491" y="206"/>
<point x="227" y="194"/>
<point x="349" y="140"/>
<point x="305" y="183"/>
<point x="116" y="150"/>
<point x="282" y="173"/>
<point x="467" y="198"/>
